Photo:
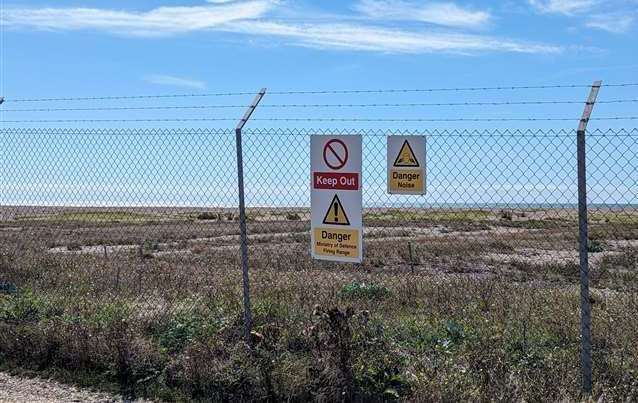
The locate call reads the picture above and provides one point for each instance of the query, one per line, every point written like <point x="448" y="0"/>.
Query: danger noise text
<point x="406" y="180"/>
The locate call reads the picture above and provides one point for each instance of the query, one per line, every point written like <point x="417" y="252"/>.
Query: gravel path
<point x="18" y="389"/>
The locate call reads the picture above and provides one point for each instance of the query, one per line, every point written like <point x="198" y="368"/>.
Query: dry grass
<point x="449" y="322"/>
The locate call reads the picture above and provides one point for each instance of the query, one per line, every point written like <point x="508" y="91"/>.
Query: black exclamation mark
<point x="336" y="208"/>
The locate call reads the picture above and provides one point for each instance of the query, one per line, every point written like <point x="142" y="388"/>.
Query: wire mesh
<point x="111" y="214"/>
<point x="513" y="190"/>
<point x="476" y="281"/>
<point x="494" y="240"/>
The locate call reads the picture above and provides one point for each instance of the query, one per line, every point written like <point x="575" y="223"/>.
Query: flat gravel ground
<point x="18" y="389"/>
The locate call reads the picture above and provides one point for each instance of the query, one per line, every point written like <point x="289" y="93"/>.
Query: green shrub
<point x="594" y="246"/>
<point x="74" y="246"/>
<point x="422" y="336"/>
<point x="8" y="288"/>
<point x="506" y="215"/>
<point x="148" y="247"/>
<point x="207" y="215"/>
<point x="454" y="332"/>
<point x="26" y="307"/>
<point x="151" y="245"/>
<point x="180" y="330"/>
<point x="266" y="310"/>
<point x="363" y="290"/>
<point x="110" y="315"/>
<point x="293" y="217"/>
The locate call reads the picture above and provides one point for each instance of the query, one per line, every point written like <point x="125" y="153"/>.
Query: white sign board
<point x="336" y="220"/>
<point x="406" y="165"/>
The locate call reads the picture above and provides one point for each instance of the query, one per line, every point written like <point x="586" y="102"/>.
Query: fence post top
<point x="250" y="110"/>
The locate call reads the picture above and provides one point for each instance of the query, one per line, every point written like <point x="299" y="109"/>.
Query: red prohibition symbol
<point x="335" y="154"/>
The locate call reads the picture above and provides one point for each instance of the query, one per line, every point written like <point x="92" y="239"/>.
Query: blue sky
<point x="94" y="47"/>
<point x="103" y="48"/>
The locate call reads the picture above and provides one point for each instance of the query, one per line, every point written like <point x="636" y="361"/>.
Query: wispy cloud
<point x="612" y="22"/>
<point x="566" y="7"/>
<point x="173" y="81"/>
<point x="615" y="16"/>
<point x="372" y="38"/>
<point x="157" y="22"/>
<point x="255" y="18"/>
<point x="445" y="14"/>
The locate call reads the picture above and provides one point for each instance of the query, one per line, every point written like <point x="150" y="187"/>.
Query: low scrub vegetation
<point x="363" y="290"/>
<point x="419" y="339"/>
<point x="474" y="310"/>
<point x="208" y="215"/>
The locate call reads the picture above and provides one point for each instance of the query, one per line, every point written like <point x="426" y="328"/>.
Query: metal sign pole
<point x="585" y="304"/>
<point x="242" y="215"/>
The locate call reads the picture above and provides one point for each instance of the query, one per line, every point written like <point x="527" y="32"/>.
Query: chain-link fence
<point x="120" y="252"/>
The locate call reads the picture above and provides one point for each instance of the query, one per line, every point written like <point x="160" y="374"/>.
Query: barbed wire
<point x="453" y="89"/>
<point x="317" y="92"/>
<point x="125" y="108"/>
<point x="620" y="85"/>
<point x="119" y="97"/>
<point x="416" y="104"/>
<point x="305" y="131"/>
<point x="437" y="119"/>
<point x="405" y="120"/>
<point x="337" y="105"/>
<point x="119" y="120"/>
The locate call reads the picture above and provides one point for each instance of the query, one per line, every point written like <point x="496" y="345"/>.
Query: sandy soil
<point x="17" y="389"/>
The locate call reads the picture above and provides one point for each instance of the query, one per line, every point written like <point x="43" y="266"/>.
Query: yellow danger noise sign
<point x="406" y="157"/>
<point x="406" y="165"/>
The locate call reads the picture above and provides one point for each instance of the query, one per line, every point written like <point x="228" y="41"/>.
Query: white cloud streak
<point x="616" y="23"/>
<point x="360" y="37"/>
<point x="445" y="14"/>
<point x="252" y="18"/>
<point x="565" y="7"/>
<point x="157" y="22"/>
<point x="615" y="16"/>
<point x="173" y="81"/>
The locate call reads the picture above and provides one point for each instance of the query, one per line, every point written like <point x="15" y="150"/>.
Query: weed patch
<point x="594" y="246"/>
<point x="26" y="306"/>
<point x="363" y="290"/>
<point x="208" y="215"/>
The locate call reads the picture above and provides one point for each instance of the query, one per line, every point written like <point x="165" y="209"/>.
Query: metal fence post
<point x="242" y="216"/>
<point x="585" y="304"/>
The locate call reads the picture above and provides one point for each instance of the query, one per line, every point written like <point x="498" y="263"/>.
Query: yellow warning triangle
<point x="406" y="157"/>
<point x="336" y="215"/>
